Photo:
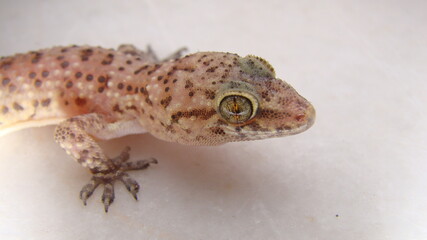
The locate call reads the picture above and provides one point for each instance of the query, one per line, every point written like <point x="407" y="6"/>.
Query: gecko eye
<point x="237" y="109"/>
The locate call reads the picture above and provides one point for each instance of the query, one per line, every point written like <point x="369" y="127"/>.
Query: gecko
<point x="94" y="93"/>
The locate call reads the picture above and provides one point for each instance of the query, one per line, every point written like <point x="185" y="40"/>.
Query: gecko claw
<point x="107" y="179"/>
<point x="108" y="196"/>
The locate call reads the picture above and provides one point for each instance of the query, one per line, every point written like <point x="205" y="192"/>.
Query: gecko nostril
<point x="299" y="117"/>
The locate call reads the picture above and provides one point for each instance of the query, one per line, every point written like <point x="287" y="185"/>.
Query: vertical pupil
<point x="236" y="108"/>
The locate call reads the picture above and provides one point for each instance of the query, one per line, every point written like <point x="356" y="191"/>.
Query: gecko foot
<point x="118" y="173"/>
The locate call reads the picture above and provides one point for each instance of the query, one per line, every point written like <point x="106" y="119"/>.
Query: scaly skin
<point x="206" y="98"/>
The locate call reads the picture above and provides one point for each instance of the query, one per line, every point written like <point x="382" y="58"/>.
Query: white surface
<point x="359" y="173"/>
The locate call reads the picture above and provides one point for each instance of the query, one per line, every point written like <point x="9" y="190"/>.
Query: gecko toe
<point x="88" y="189"/>
<point x="108" y="195"/>
<point x="131" y="185"/>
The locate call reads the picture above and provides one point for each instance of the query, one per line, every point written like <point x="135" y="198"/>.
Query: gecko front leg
<point x="76" y="136"/>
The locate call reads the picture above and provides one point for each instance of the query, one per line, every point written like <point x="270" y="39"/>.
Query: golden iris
<point x="236" y="109"/>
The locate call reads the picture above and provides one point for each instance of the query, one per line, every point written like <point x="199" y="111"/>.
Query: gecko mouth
<point x="305" y="123"/>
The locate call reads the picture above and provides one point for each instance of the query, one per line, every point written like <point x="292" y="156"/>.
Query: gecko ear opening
<point x="257" y="66"/>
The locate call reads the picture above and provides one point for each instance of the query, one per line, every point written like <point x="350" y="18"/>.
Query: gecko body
<point x="92" y="94"/>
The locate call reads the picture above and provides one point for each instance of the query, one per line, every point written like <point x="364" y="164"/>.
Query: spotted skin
<point x="95" y="94"/>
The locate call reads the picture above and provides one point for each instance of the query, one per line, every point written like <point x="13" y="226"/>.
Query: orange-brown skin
<point x="96" y="93"/>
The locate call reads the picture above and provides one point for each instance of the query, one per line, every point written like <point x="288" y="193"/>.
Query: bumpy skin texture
<point x="206" y="98"/>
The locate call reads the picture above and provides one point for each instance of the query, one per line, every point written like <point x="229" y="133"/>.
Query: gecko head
<point x="245" y="102"/>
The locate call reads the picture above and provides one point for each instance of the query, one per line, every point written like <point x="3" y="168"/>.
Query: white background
<point x="358" y="173"/>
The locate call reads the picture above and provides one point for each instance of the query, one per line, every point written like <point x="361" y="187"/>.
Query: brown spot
<point x="59" y="58"/>
<point x="147" y="100"/>
<point x="264" y="94"/>
<point x="36" y="57"/>
<point x="120" y="86"/>
<point x="170" y="128"/>
<point x="211" y="69"/>
<point x="85" y="54"/>
<point x="116" y="108"/>
<point x="128" y="62"/>
<point x="166" y="101"/>
<point x="100" y="89"/>
<point x="17" y="106"/>
<point x="143" y="91"/>
<point x="46" y="102"/>
<point x="188" y="84"/>
<point x="151" y="117"/>
<point x="165" y="81"/>
<point x="5" y="81"/>
<point x="45" y="74"/>
<point x="121" y="68"/>
<point x="191" y="94"/>
<point x="175" y="80"/>
<point x="156" y="67"/>
<point x="167" y="89"/>
<point x="210" y="94"/>
<point x="78" y="75"/>
<point x="65" y="64"/>
<point x="129" y="88"/>
<point x="101" y="79"/>
<point x="133" y="107"/>
<point x="80" y="101"/>
<point x="159" y="78"/>
<point x="66" y="103"/>
<point x="37" y="83"/>
<point x="89" y="77"/>
<point x="140" y="69"/>
<point x="4" y="109"/>
<point x="80" y="138"/>
<point x="69" y="84"/>
<point x="32" y="75"/>
<point x="108" y="59"/>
